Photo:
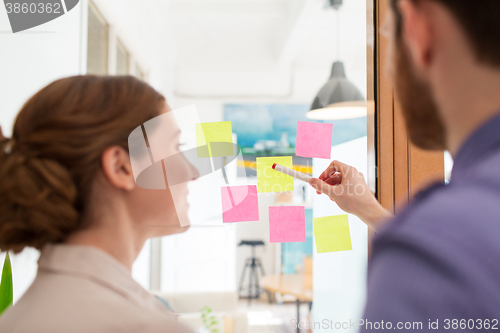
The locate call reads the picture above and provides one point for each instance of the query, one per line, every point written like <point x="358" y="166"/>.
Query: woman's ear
<point x="117" y="168"/>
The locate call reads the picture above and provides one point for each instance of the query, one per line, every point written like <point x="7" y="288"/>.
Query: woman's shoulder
<point x="64" y="303"/>
<point x="97" y="321"/>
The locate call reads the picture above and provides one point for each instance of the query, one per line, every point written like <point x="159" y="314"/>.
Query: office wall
<point x="29" y="61"/>
<point x="143" y="27"/>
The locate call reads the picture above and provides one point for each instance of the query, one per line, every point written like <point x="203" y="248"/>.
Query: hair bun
<point x="38" y="196"/>
<point x="60" y="134"/>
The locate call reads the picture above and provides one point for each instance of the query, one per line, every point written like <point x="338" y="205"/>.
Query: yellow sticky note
<point x="214" y="139"/>
<point x="270" y="180"/>
<point x="332" y="233"/>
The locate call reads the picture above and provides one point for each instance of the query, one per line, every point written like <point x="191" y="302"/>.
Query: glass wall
<point x="261" y="66"/>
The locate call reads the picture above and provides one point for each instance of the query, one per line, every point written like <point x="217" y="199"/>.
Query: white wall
<point x="29" y="61"/>
<point x="143" y="27"/>
<point x="229" y="55"/>
<point x="339" y="278"/>
<point x="200" y="260"/>
<point x="258" y="230"/>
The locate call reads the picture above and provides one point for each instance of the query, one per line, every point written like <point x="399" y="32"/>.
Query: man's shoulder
<point x="461" y="218"/>
<point x="437" y="259"/>
<point x="463" y="201"/>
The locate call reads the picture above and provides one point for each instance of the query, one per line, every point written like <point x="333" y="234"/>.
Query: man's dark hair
<point x="480" y="20"/>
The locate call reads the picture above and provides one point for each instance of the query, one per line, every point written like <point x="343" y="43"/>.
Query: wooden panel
<point x="401" y="172"/>
<point x="403" y="169"/>
<point x="385" y="119"/>
<point x="425" y="168"/>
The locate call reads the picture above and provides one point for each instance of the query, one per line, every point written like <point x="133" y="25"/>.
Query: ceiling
<point x="236" y="42"/>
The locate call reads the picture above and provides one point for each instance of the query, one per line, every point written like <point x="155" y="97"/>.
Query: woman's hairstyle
<point x="47" y="167"/>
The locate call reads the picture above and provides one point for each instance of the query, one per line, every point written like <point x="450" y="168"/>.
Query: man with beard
<point x="436" y="262"/>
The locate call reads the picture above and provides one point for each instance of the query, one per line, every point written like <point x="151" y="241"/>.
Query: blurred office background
<point x="224" y="56"/>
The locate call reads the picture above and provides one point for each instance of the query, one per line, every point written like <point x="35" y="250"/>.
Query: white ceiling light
<point x="339" y="98"/>
<point x="338" y="111"/>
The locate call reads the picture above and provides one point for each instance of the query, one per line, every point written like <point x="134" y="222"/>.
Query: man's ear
<point x="416" y="31"/>
<point x="117" y="169"/>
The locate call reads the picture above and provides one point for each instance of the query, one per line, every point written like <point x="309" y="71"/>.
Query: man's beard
<point x="423" y="122"/>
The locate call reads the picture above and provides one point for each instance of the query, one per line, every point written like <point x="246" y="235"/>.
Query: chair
<point x="252" y="265"/>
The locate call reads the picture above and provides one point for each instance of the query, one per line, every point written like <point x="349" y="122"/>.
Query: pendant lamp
<point x="339" y="98"/>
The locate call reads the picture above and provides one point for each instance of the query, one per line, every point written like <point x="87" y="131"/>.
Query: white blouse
<point x="84" y="289"/>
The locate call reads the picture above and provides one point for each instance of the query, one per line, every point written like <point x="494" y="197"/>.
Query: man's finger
<point x="335" y="166"/>
<point x="328" y="172"/>
<point x="322" y="187"/>
<point x="336" y="179"/>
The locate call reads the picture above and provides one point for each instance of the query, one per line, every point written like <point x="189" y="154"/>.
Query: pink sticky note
<point x="314" y="139"/>
<point x="239" y="204"/>
<point x="287" y="224"/>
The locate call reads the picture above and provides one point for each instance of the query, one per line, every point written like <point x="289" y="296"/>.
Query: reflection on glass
<point x="155" y="165"/>
<point x="339" y="278"/>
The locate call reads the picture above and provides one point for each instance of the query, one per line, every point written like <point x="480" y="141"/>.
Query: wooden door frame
<point x="401" y="168"/>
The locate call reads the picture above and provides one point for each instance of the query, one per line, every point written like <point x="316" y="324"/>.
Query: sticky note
<point x="214" y="139"/>
<point x="332" y="233"/>
<point x="270" y="180"/>
<point x="314" y="139"/>
<point x="287" y="224"/>
<point x="239" y="203"/>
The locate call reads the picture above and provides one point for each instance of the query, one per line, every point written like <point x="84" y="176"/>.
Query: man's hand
<point x="347" y="187"/>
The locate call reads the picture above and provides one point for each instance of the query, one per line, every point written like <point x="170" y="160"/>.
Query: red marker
<point x="292" y="173"/>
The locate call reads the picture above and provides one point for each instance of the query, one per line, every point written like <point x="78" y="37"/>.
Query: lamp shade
<point x="338" y="98"/>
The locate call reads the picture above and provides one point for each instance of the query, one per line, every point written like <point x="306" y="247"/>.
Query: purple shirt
<point x="439" y="259"/>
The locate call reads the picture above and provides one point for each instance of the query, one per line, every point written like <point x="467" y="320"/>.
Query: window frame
<point x="120" y="46"/>
<point x="94" y="10"/>
<point x="116" y="38"/>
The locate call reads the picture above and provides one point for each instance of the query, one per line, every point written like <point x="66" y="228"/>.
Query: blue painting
<point x="271" y="130"/>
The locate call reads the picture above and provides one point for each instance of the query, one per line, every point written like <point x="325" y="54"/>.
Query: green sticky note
<point x="270" y="180"/>
<point x="214" y="139"/>
<point x="332" y="233"/>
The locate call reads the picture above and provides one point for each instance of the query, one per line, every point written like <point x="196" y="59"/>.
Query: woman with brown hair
<point x="67" y="188"/>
